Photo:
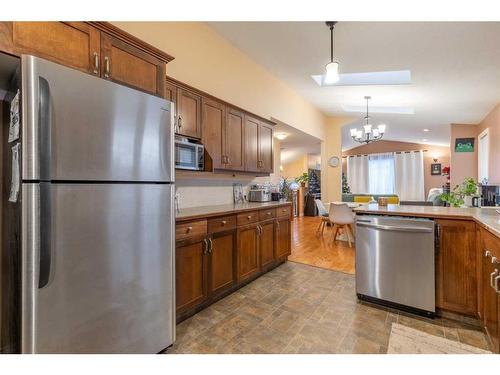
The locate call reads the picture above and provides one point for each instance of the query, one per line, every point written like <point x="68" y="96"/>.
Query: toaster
<point x="259" y="195"/>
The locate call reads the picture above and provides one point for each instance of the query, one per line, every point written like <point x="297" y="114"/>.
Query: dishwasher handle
<point x="395" y="228"/>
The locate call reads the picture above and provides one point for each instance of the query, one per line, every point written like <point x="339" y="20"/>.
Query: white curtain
<point x="409" y="175"/>
<point x="357" y="174"/>
<point x="381" y="173"/>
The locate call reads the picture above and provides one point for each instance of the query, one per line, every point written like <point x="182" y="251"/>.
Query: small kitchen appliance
<point x="259" y="193"/>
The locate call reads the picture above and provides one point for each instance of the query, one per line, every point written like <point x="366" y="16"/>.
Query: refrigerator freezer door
<point x="80" y="127"/>
<point x="104" y="277"/>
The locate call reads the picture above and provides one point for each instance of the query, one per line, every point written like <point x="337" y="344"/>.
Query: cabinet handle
<point x="494" y="260"/>
<point x="492" y="276"/>
<point x="107" y="67"/>
<point x="210" y="246"/>
<point x="179" y="122"/>
<point x="96" y="63"/>
<point x="268" y="213"/>
<point x="259" y="230"/>
<point x="223" y="222"/>
<point x="278" y="226"/>
<point x="487" y="253"/>
<point x="189" y="229"/>
<point x="205" y="246"/>
<point x="249" y="217"/>
<point x="227" y="160"/>
<point x="497" y="289"/>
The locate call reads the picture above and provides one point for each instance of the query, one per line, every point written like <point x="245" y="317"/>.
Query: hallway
<point x="312" y="248"/>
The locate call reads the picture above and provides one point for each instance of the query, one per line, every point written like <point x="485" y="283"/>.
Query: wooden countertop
<point x="486" y="216"/>
<point x="217" y="210"/>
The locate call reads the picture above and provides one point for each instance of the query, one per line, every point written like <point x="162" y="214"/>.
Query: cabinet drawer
<point x="283" y="211"/>
<point x="248" y="217"/>
<point x="491" y="243"/>
<point x="267" y="214"/>
<point x="222" y="223"/>
<point x="190" y="229"/>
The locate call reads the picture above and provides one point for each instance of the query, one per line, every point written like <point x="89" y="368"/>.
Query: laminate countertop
<point x="221" y="209"/>
<point x="487" y="217"/>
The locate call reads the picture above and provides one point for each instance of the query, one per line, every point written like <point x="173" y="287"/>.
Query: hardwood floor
<point x="309" y="247"/>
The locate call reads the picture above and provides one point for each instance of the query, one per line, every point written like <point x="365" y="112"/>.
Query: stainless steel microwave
<point x="189" y="155"/>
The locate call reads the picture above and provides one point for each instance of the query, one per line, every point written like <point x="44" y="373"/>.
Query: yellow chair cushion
<point x="362" y="199"/>
<point x="392" y="200"/>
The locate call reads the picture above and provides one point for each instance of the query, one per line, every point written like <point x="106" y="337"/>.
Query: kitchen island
<point x="221" y="248"/>
<point x="467" y="257"/>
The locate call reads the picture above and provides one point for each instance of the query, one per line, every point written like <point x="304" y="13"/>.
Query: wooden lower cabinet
<point x="248" y="252"/>
<point x="456" y="279"/>
<point x="222" y="262"/>
<point x="283" y="237"/>
<point x="490" y="270"/>
<point x="191" y="267"/>
<point x="266" y="244"/>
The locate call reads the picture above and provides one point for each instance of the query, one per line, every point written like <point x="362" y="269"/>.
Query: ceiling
<point x="455" y="69"/>
<point x="296" y="144"/>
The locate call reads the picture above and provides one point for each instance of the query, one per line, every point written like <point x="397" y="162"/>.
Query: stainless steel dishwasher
<point x="395" y="262"/>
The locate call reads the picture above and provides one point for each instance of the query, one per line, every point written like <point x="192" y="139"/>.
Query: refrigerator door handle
<point x="44" y="120"/>
<point x="45" y="257"/>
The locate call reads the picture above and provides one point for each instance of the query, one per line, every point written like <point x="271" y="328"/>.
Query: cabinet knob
<point x="269" y="213"/>
<point x="223" y="222"/>
<point x="189" y="229"/>
<point x="249" y="217"/>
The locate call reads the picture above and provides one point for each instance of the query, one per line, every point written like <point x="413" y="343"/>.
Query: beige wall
<point x="492" y="123"/>
<point x="462" y="164"/>
<point x="295" y="168"/>
<point x="331" y="178"/>
<point x="430" y="181"/>
<point x="207" y="61"/>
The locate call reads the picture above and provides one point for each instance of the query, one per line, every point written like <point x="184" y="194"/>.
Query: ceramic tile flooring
<point x="298" y="308"/>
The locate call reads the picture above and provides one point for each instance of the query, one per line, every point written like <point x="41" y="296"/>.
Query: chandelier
<point x="368" y="134"/>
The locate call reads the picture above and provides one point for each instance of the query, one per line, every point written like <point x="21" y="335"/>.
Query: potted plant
<point x="302" y="179"/>
<point x="462" y="194"/>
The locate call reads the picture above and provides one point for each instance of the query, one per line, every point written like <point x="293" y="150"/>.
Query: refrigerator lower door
<point x="99" y="275"/>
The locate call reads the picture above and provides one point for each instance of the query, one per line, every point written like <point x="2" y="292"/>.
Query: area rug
<point x="406" y="340"/>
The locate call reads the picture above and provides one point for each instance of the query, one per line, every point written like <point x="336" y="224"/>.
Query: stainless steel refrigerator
<point x="97" y="217"/>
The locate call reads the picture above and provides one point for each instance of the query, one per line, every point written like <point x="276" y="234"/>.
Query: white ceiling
<point x="455" y="68"/>
<point x="296" y="144"/>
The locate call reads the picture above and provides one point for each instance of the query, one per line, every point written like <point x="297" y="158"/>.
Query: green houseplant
<point x="461" y="194"/>
<point x="302" y="179"/>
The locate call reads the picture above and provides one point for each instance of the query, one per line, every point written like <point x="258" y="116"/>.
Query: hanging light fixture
<point x="368" y="134"/>
<point x="332" y="68"/>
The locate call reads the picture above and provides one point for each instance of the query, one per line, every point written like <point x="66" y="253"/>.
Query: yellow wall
<point x="331" y="178"/>
<point x="207" y="61"/>
<point x="295" y="168"/>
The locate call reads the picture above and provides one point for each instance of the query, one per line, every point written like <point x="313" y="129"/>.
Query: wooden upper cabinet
<point x="128" y="65"/>
<point x="456" y="283"/>
<point x="222" y="267"/>
<point x="73" y="44"/>
<point x="234" y="136"/>
<point x="283" y="237"/>
<point x="251" y="144"/>
<point x="213" y="122"/>
<point x="188" y="113"/>
<point x="265" y="148"/>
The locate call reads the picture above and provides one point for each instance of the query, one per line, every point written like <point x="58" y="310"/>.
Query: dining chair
<point x="342" y="217"/>
<point x="323" y="213"/>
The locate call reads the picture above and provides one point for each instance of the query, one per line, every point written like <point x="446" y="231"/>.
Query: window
<point x="381" y="173"/>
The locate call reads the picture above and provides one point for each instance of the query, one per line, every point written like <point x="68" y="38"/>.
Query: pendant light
<point x="332" y="68"/>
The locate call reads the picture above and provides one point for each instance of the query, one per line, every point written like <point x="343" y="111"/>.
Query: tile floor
<point x="298" y="308"/>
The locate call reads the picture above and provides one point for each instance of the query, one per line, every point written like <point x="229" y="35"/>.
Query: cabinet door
<point x="490" y="302"/>
<point x="248" y="252"/>
<point x="73" y="44"/>
<point x="266" y="148"/>
<point x="251" y="144"/>
<point x="283" y="237"/>
<point x="266" y="243"/>
<point x="127" y="65"/>
<point x="171" y="93"/>
<point x="234" y="145"/>
<point x="456" y="288"/>
<point x="188" y="113"/>
<point x="213" y="119"/>
<point x="222" y="275"/>
<point x="190" y="274"/>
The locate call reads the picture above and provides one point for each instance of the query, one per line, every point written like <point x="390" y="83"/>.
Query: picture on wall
<point x="464" y="145"/>
<point x="436" y="169"/>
